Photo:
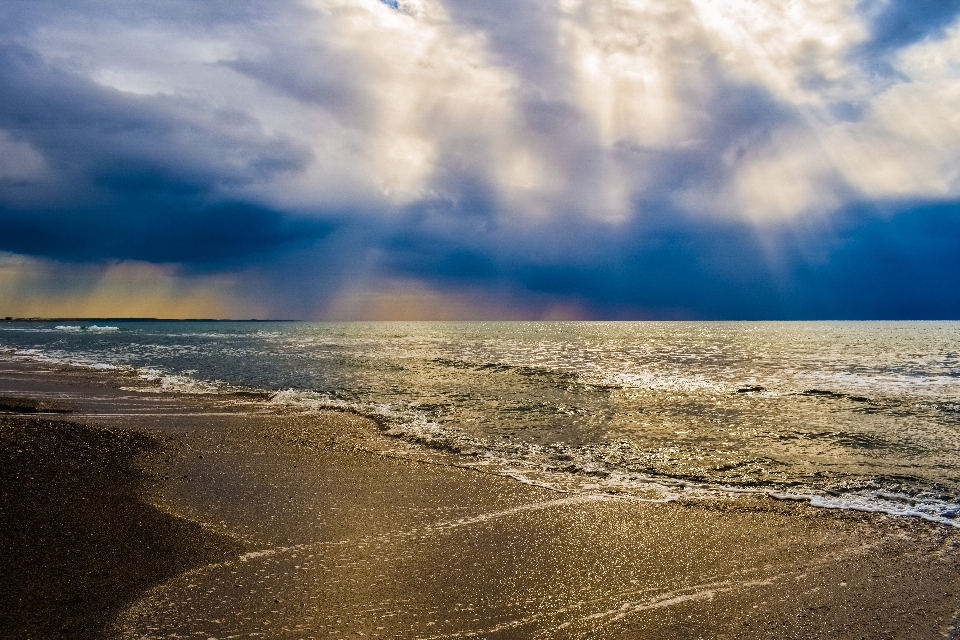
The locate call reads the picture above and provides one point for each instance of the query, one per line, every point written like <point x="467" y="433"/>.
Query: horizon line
<point x="150" y="319"/>
<point x="141" y="319"/>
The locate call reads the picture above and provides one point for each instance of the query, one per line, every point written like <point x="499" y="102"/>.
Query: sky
<point x="480" y="159"/>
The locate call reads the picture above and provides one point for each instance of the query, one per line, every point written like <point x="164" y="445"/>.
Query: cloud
<point x="41" y="288"/>
<point x="412" y="301"/>
<point x="603" y="158"/>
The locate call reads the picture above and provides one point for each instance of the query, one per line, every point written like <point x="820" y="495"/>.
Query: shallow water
<point x="850" y="414"/>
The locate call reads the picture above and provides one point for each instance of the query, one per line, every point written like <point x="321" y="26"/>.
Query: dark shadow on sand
<point x="78" y="543"/>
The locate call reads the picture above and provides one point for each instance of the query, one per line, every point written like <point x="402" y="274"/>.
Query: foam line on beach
<point x="873" y="505"/>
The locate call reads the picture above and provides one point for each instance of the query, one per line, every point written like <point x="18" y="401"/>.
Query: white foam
<point x="304" y="400"/>
<point x="895" y="510"/>
<point x="584" y="469"/>
<point x="311" y="401"/>
<point x="938" y="511"/>
<point x="56" y="357"/>
<point x="179" y="383"/>
<point x="73" y="328"/>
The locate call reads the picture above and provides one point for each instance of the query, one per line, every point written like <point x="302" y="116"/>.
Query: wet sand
<point x="224" y="517"/>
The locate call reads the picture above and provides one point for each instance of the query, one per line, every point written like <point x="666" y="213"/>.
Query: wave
<point x="625" y="468"/>
<point x="615" y="466"/>
<point x="159" y="378"/>
<point x="72" y="328"/>
<point x="597" y="380"/>
<point x="62" y="358"/>
<point x="180" y="383"/>
<point x="939" y="511"/>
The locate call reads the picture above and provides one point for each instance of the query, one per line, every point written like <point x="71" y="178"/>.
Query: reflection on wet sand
<point x="349" y="543"/>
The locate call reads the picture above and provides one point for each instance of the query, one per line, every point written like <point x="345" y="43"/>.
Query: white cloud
<point x="392" y="103"/>
<point x="431" y="87"/>
<point x="908" y="144"/>
<point x="797" y="50"/>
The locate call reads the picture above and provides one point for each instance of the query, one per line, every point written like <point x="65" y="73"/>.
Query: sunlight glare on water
<point x="861" y="414"/>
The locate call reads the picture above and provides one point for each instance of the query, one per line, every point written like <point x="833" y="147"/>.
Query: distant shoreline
<point x="13" y="319"/>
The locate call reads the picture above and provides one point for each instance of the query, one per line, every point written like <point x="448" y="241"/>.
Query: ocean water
<point x="860" y="415"/>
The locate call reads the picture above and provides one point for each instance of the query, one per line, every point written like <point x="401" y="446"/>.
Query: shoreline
<point x="79" y="541"/>
<point x="423" y="445"/>
<point x="322" y="532"/>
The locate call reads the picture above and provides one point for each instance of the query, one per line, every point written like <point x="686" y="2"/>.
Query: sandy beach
<point x="144" y="514"/>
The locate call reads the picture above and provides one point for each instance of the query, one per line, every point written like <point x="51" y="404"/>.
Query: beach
<point x="148" y="514"/>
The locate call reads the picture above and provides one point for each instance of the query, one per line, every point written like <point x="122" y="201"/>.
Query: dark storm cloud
<point x="129" y="142"/>
<point x="640" y="160"/>
<point x="889" y="267"/>
<point x="869" y="266"/>
<point x="136" y="176"/>
<point x="898" y="23"/>
<point x="183" y="231"/>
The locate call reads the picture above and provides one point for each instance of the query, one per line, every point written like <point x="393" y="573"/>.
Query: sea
<point x="847" y="415"/>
